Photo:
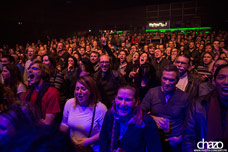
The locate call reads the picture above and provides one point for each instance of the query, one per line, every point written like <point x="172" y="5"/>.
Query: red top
<point x="50" y="100"/>
<point x="134" y="40"/>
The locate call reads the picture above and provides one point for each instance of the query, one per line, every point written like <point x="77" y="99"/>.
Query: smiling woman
<point x="126" y="127"/>
<point x="84" y="114"/>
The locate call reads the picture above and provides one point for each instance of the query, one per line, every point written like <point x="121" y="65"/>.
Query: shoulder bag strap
<point x="94" y="110"/>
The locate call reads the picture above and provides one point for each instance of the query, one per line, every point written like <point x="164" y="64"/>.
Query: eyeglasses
<point x="104" y="62"/>
<point x="180" y="62"/>
<point x="35" y="68"/>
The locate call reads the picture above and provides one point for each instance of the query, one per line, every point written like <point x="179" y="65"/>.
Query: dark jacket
<point x="194" y="55"/>
<point x="192" y="88"/>
<point x="71" y="79"/>
<point x="108" y="85"/>
<point x="159" y="66"/>
<point x="135" y="139"/>
<point x="205" y="88"/>
<point x="143" y="90"/>
<point x="196" y="123"/>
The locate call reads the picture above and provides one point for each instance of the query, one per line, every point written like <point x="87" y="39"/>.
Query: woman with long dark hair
<point x="13" y="79"/>
<point x="56" y="76"/>
<point x="146" y="79"/>
<point x="71" y="76"/>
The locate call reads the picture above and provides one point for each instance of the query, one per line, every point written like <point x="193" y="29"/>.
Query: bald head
<point x="104" y="63"/>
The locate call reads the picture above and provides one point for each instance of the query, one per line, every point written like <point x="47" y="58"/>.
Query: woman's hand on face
<point x="103" y="40"/>
<point x="70" y="67"/>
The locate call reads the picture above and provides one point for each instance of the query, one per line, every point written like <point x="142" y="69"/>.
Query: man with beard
<point x="122" y="62"/>
<point x="192" y="53"/>
<point x="187" y="82"/>
<point x="41" y="93"/>
<point x="159" y="62"/>
<point x="168" y="105"/>
<point x="94" y="59"/>
<point x="82" y="52"/>
<point x="108" y="80"/>
<point x="63" y="56"/>
<point x="208" y="118"/>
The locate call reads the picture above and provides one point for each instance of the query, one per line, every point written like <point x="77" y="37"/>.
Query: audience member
<point x="168" y="107"/>
<point x="108" y="64"/>
<point x="42" y="93"/>
<point x="187" y="81"/>
<point x="84" y="114"/>
<point x="207" y="118"/>
<point x="13" y="79"/>
<point x="126" y="127"/>
<point x="108" y="81"/>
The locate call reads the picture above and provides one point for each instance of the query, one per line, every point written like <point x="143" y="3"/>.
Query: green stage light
<point x="178" y="29"/>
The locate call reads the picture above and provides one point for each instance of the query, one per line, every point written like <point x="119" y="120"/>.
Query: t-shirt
<point x="78" y="119"/>
<point x="50" y="101"/>
<point x="21" y="88"/>
<point x="182" y="83"/>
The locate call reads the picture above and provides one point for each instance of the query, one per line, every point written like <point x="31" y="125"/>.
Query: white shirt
<point x="182" y="83"/>
<point x="78" y="119"/>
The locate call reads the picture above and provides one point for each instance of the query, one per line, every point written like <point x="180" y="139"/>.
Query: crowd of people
<point x="115" y="92"/>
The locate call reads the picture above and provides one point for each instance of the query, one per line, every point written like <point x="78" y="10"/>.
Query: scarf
<point x="214" y="123"/>
<point x="134" y="118"/>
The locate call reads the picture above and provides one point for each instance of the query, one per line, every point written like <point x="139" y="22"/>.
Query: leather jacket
<point x="196" y="123"/>
<point x="192" y="88"/>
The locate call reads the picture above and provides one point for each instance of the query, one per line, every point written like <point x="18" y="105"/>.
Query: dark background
<point x="28" y="21"/>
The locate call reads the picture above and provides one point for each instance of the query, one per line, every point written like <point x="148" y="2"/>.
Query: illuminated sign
<point x="158" y="25"/>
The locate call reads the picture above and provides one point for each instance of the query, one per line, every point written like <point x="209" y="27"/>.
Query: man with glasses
<point x="41" y="93"/>
<point x="108" y="80"/>
<point x="187" y="82"/>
